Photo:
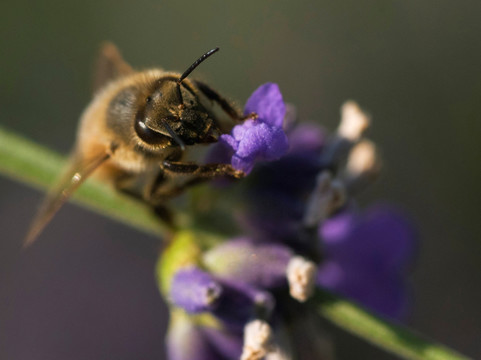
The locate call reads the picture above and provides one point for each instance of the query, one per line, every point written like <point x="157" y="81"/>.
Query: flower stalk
<point x="392" y="337"/>
<point x="34" y="165"/>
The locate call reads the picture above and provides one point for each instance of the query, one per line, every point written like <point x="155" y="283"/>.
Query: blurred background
<point x="87" y="290"/>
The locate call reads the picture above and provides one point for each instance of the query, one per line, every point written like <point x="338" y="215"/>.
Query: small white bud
<point x="257" y="340"/>
<point x="301" y="276"/>
<point x="354" y="121"/>
<point x="363" y="159"/>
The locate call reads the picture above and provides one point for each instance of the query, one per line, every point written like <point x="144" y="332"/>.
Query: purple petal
<point x="194" y="290"/>
<point x="338" y="228"/>
<point x="260" y="139"/>
<point x="382" y="238"/>
<point x="258" y="142"/>
<point x="383" y="293"/>
<point x="365" y="256"/>
<point x="229" y="141"/>
<point x="262" y="265"/>
<point x="267" y="102"/>
<point x="244" y="164"/>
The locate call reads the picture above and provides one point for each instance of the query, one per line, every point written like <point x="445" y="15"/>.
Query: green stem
<point x="392" y="337"/>
<point x="35" y="165"/>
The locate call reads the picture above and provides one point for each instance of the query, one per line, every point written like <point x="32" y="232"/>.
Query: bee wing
<point x="77" y="171"/>
<point x="109" y="66"/>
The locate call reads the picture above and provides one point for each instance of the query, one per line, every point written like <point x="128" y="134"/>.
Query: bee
<point x="136" y="130"/>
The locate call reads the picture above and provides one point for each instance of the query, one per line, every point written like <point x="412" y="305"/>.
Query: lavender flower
<point x="233" y="302"/>
<point x="194" y="290"/>
<point x="300" y="229"/>
<point x="261" y="138"/>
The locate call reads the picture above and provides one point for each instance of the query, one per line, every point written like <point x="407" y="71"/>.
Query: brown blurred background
<point x="86" y="289"/>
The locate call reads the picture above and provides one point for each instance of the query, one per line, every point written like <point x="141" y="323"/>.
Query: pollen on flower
<point x="257" y="340"/>
<point x="354" y="121"/>
<point x="301" y="275"/>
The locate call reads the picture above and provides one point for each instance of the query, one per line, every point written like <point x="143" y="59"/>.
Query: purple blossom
<point x="275" y="197"/>
<point x="194" y="290"/>
<point x="361" y="255"/>
<point x="262" y="138"/>
<point x="366" y="257"/>
<point x="233" y="302"/>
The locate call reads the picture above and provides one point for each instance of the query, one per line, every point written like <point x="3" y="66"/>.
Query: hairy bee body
<point x="107" y="125"/>
<point x="136" y="130"/>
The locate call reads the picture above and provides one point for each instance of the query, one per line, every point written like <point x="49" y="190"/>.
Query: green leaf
<point x="394" y="338"/>
<point x="37" y="166"/>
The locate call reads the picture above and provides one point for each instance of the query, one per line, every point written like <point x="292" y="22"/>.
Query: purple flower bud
<point x="262" y="138"/>
<point x="194" y="290"/>
<point x="262" y="265"/>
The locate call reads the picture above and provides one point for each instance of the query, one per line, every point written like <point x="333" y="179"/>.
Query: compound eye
<point x="146" y="134"/>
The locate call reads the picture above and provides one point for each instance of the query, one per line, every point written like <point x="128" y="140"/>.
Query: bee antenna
<point x="176" y="137"/>
<point x="196" y="63"/>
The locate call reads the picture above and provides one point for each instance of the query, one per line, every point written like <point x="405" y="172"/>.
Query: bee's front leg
<point x="208" y="171"/>
<point x="195" y="173"/>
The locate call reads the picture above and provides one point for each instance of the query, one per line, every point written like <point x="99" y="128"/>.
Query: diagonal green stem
<point x="394" y="338"/>
<point x="35" y="165"/>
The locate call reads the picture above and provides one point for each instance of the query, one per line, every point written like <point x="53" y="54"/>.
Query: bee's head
<point x="171" y="114"/>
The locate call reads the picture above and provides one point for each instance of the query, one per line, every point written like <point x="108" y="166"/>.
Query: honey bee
<point x="136" y="130"/>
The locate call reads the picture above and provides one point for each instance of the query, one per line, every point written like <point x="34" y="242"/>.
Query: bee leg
<point x="224" y="104"/>
<point x="208" y="171"/>
<point x="165" y="214"/>
<point x="126" y="183"/>
<point x="197" y="174"/>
